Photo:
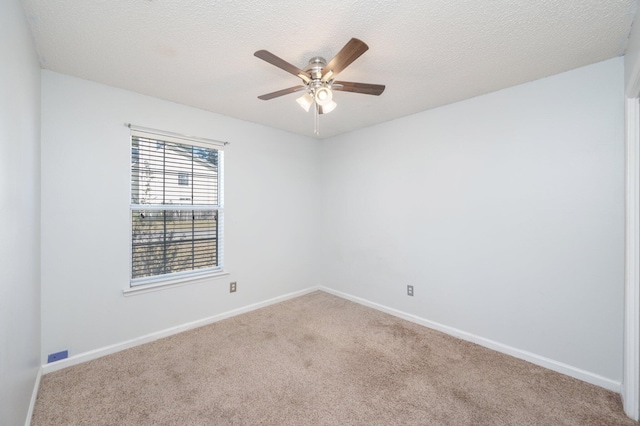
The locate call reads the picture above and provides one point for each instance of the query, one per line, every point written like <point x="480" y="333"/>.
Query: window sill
<point x="171" y="282"/>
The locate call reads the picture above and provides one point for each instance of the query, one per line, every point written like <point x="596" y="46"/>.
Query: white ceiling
<point x="427" y="52"/>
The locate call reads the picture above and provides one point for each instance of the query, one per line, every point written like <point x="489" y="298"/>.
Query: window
<point x="183" y="179"/>
<point x="176" y="206"/>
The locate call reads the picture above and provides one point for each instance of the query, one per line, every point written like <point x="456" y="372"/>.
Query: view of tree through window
<point x="175" y="207"/>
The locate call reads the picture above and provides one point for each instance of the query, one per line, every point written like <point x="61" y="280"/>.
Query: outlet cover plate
<point x="233" y="287"/>
<point x="409" y="290"/>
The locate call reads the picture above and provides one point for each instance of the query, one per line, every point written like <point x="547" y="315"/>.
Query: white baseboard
<point x="107" y="350"/>
<point x="34" y="396"/>
<point x="551" y="364"/>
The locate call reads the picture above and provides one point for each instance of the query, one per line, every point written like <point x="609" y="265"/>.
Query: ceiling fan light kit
<point x="318" y="79"/>
<point x="327" y="108"/>
<point x="305" y="101"/>
<point x="324" y="95"/>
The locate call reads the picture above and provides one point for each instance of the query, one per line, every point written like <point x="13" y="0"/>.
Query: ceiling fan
<point x="318" y="78"/>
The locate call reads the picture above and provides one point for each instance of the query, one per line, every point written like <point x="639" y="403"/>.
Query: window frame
<point x="157" y="282"/>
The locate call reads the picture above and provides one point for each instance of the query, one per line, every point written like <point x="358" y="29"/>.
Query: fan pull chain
<point x="316" y="120"/>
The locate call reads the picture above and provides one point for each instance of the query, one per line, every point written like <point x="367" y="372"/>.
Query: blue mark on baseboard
<point x="57" y="356"/>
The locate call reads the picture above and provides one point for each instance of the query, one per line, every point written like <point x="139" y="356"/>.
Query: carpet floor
<point x="317" y="360"/>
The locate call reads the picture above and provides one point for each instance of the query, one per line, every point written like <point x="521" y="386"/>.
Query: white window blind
<point x="176" y="205"/>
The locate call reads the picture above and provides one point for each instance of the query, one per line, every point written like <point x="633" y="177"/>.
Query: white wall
<point x="506" y="212"/>
<point x="20" y="213"/>
<point x="271" y="215"/>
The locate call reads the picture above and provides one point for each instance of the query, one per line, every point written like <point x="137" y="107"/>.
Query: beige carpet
<point x="317" y="360"/>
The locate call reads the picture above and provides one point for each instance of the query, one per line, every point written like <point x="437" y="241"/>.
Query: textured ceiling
<point x="427" y="52"/>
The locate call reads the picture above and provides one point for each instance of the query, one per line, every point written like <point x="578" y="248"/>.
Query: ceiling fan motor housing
<point x="315" y="66"/>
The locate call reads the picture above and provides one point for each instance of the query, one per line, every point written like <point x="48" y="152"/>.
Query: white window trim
<point x="146" y="132"/>
<point x="630" y="391"/>
<point x="178" y="279"/>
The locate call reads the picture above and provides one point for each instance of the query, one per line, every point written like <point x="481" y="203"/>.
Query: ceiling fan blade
<point x="349" y="53"/>
<point x="281" y="93"/>
<point x="282" y="64"/>
<point x="367" y="89"/>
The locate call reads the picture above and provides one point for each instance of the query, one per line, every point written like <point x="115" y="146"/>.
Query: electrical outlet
<point x="232" y="287"/>
<point x="409" y="290"/>
<point x="57" y="356"/>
